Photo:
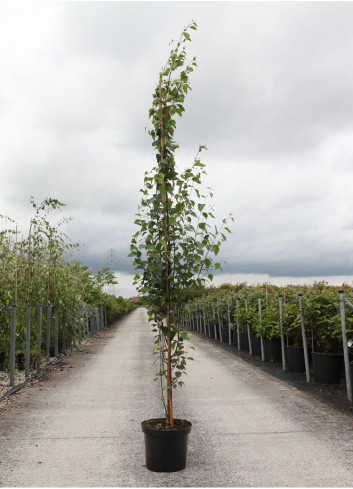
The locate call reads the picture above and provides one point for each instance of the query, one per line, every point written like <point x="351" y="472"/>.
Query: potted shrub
<point x="256" y="333"/>
<point x="293" y="333"/>
<point x="270" y="330"/>
<point x="222" y="319"/>
<point x="228" y="300"/>
<point x="241" y="317"/>
<point x="173" y="252"/>
<point x="322" y="315"/>
<point x="210" y="318"/>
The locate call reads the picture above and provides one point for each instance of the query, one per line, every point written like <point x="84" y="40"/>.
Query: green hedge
<point x="321" y="311"/>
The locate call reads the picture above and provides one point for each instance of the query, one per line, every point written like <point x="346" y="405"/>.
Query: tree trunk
<point x="169" y="413"/>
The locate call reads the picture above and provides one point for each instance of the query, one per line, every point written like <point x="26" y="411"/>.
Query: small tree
<point x="175" y="242"/>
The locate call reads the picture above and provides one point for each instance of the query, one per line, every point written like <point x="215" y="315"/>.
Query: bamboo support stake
<point x="238" y="330"/>
<point x="28" y="339"/>
<point x="16" y="268"/>
<point x="345" y="343"/>
<point x="248" y="326"/>
<point x="47" y="341"/>
<point x="169" y="414"/>
<point x="214" y="323"/>
<point x="56" y="332"/>
<point x="229" y="324"/>
<point x="30" y="267"/>
<point x="204" y="320"/>
<point x="40" y="322"/>
<point x="13" y="346"/>
<point x="219" y="323"/>
<point x="280" y="300"/>
<point x="259" y="305"/>
<point x="305" y="345"/>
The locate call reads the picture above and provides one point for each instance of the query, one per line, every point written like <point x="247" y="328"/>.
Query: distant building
<point x="134" y="299"/>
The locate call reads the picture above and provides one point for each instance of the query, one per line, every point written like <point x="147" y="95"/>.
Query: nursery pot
<point x="273" y="351"/>
<point x="256" y="345"/>
<point x="166" y="449"/>
<point x="225" y="335"/>
<point x="20" y="361"/>
<point x="327" y="367"/>
<point x="234" y="337"/>
<point x="244" y="341"/>
<point x="295" y="359"/>
<point x="2" y="360"/>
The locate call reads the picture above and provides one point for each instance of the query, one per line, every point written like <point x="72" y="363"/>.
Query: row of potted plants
<point x="36" y="331"/>
<point x="269" y="321"/>
<point x="38" y="268"/>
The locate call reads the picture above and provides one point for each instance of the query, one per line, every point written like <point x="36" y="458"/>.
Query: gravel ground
<point x="5" y="381"/>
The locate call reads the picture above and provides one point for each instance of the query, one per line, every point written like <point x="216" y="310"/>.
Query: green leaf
<point x="208" y="263"/>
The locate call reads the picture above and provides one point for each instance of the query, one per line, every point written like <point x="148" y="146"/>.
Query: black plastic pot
<point x="60" y="348"/>
<point x="256" y="345"/>
<point x="165" y="450"/>
<point x="225" y="335"/>
<point x="327" y="367"/>
<point x="273" y="351"/>
<point x="212" y="333"/>
<point x="234" y="337"/>
<point x="295" y="359"/>
<point x="20" y="361"/>
<point x="244" y="341"/>
<point x="2" y="360"/>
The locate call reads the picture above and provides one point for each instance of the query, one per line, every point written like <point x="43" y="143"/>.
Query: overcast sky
<point x="272" y="98"/>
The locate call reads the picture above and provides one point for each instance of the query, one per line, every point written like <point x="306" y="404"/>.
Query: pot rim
<point x="162" y="432"/>
<point x="327" y="354"/>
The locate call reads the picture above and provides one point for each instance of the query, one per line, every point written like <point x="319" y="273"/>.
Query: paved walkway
<point x="80" y="426"/>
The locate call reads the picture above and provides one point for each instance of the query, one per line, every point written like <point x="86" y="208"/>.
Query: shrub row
<point x="259" y="308"/>
<point x="38" y="268"/>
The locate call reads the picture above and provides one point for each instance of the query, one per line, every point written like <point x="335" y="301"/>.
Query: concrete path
<point x="80" y="426"/>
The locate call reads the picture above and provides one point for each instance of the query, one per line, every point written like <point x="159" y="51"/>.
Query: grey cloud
<point x="279" y="89"/>
<point x="272" y="99"/>
<point x="304" y="269"/>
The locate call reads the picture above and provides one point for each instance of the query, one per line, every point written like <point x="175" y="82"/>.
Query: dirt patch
<point x="159" y="424"/>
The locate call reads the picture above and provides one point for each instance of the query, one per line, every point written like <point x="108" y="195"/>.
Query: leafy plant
<point x="39" y="269"/>
<point x="174" y="247"/>
<point x="322" y="315"/>
<point x="321" y="312"/>
<point x="291" y="319"/>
